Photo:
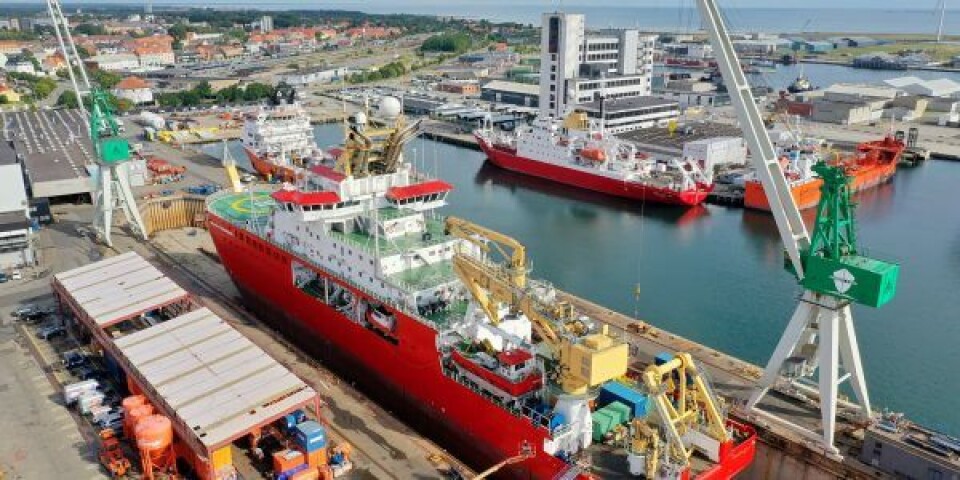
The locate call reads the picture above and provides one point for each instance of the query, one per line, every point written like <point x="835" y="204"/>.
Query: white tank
<point x="389" y="107"/>
<point x="150" y="119"/>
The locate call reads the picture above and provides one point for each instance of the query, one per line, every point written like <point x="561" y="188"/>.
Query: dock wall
<point x="167" y="213"/>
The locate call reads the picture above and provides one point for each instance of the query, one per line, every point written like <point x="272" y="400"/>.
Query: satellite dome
<point x="358" y="118"/>
<point x="389" y="107"/>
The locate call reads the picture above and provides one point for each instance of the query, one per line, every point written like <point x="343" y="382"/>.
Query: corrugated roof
<point x="216" y="380"/>
<point x="119" y="288"/>
<point x="514" y="87"/>
<point x="13" y="195"/>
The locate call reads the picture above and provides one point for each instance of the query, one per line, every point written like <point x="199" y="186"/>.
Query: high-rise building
<point x="266" y="23"/>
<point x="578" y="67"/>
<point x="560" y="42"/>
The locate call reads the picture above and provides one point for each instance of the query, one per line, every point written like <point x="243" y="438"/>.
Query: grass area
<point x="938" y="52"/>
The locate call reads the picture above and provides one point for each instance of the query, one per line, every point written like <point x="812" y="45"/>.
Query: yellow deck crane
<point x="688" y="412"/>
<point x="584" y="360"/>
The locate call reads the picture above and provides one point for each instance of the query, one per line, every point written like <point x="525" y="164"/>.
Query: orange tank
<point x="154" y="433"/>
<point x="133" y="401"/>
<point x="133" y="416"/>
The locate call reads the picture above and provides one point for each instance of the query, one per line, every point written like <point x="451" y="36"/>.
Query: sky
<point x="550" y="4"/>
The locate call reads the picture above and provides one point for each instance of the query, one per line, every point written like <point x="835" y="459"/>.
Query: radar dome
<point x="358" y="118"/>
<point x="389" y="107"/>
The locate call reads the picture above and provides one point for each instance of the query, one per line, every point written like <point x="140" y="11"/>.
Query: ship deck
<point x="240" y="207"/>
<point x="396" y="245"/>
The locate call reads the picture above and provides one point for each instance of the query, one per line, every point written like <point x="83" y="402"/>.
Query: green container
<point x="860" y="279"/>
<point x="602" y="423"/>
<point x="114" y="150"/>
<point x="623" y="411"/>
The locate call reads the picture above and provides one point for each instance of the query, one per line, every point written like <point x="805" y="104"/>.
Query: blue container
<point x="618" y="392"/>
<point x="662" y="357"/>
<point x="310" y="436"/>
<point x="336" y="459"/>
<point x="557" y="421"/>
<point x="292" y="419"/>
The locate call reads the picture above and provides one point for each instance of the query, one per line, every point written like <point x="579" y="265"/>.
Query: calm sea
<point x="673" y="16"/>
<point x="715" y="275"/>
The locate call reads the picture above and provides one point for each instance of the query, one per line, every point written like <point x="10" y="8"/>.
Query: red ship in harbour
<point x="354" y="263"/>
<point x="578" y="154"/>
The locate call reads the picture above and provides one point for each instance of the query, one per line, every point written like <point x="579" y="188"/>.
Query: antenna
<point x="943" y="13"/>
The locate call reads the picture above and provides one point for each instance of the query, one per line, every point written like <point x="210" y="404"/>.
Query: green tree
<point x="4" y="100"/>
<point x="204" y="90"/>
<point x="44" y="87"/>
<point x="106" y="79"/>
<point x="68" y="99"/>
<point x="90" y="29"/>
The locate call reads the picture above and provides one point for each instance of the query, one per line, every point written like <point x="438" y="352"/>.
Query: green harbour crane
<point x="820" y="339"/>
<point x="111" y="189"/>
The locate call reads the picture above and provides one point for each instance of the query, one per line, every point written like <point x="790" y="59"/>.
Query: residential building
<point x="115" y="62"/>
<point x="11" y="47"/>
<point x="266" y="23"/>
<point x="20" y="66"/>
<point x="579" y="67"/>
<point x="54" y="62"/>
<point x="513" y="93"/>
<point x="134" y="89"/>
<point x="9" y="93"/>
<point x="633" y="113"/>
<point x="15" y="233"/>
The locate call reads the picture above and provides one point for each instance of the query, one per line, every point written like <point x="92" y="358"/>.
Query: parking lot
<point x="46" y="440"/>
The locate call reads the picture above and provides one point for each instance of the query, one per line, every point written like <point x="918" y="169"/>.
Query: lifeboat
<point x="594" y="154"/>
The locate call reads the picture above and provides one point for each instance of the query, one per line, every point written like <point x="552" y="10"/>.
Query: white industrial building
<point x="627" y="114"/>
<point x="941" y="87"/>
<point x="315" y="76"/>
<point x="15" y="243"/>
<point x="577" y="67"/>
<point x="710" y="153"/>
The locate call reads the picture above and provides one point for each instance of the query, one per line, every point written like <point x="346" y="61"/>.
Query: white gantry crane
<point x="112" y="180"/>
<point x="820" y="335"/>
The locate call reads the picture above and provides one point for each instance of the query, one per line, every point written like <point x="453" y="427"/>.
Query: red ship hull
<point x="401" y="370"/>
<point x="877" y="166"/>
<point x="598" y="183"/>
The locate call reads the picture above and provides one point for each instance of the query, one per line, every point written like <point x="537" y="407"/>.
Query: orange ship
<point x="874" y="163"/>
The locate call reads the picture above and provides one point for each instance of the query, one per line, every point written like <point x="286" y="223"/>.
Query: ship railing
<point x="521" y="411"/>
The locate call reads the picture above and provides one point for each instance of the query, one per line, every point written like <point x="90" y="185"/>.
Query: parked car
<point x="24" y="309"/>
<point x="112" y="417"/>
<point x="74" y="359"/>
<point x="51" y="331"/>
<point x="3" y="278"/>
<point x="16" y="275"/>
<point x="34" y="316"/>
<point x="116" y="425"/>
<point x="86" y="373"/>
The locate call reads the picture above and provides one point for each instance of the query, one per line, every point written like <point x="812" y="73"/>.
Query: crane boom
<point x="584" y="360"/>
<point x="790" y="224"/>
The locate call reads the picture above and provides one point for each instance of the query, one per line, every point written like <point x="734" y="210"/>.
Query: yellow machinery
<point x="370" y="150"/>
<point x="584" y="360"/>
<point x="687" y="409"/>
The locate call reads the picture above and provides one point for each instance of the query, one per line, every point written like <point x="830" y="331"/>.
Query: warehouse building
<point x="16" y="248"/>
<point x="212" y="383"/>
<point x="513" y="93"/>
<point x="627" y="114"/>
<point x="54" y="149"/>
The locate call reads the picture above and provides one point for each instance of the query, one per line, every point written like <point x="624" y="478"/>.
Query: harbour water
<point x="714" y="274"/>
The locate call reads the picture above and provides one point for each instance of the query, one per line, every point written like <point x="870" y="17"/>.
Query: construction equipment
<point x="684" y="401"/>
<point x="112" y="189"/>
<point x="369" y="150"/>
<point x="582" y="360"/>
<point x="820" y="335"/>
<point x="111" y="454"/>
<point x="526" y="451"/>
